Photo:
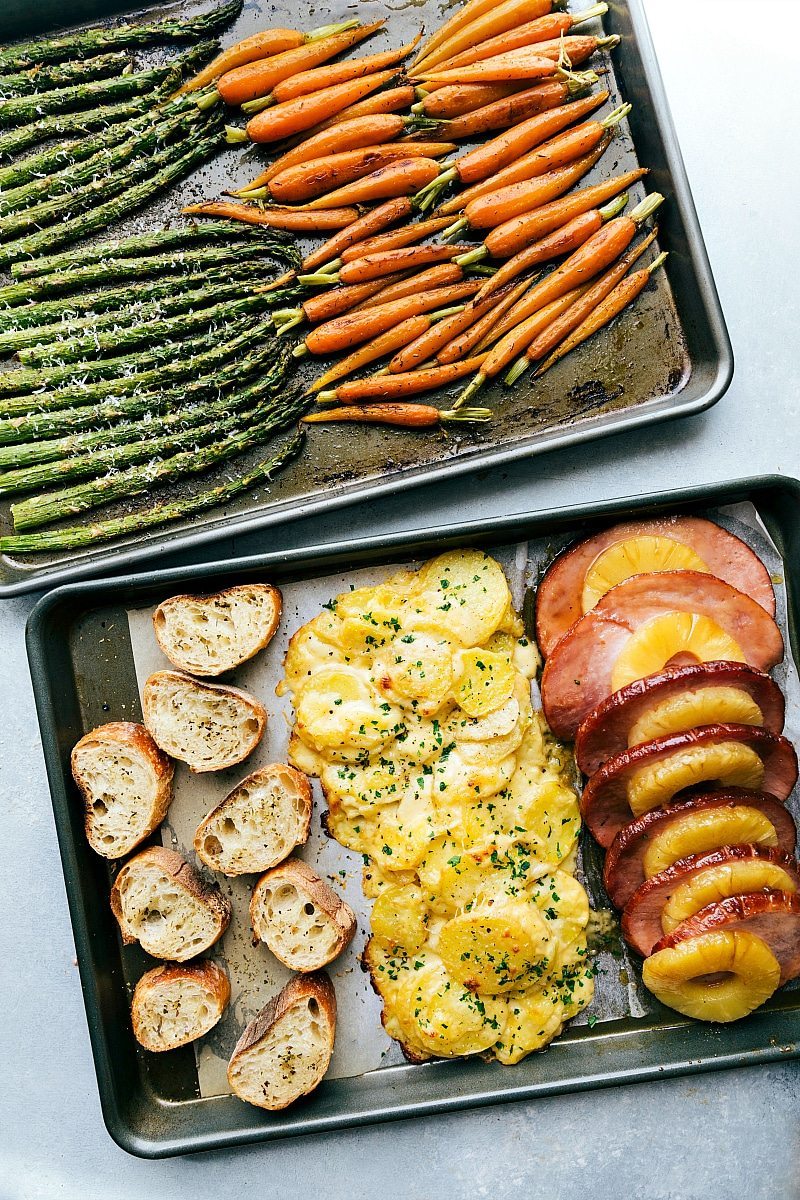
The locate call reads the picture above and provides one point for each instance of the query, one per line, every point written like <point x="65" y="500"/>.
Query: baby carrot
<point x="402" y="178"/>
<point x="320" y="176"/>
<point x="510" y="151"/>
<point x="429" y="341"/>
<point x="265" y="44"/>
<point x="296" y="116"/>
<point x="466" y="15"/>
<point x="257" y="78"/>
<point x="554" y="245"/>
<point x="528" y="312"/>
<point x="299" y="221"/>
<point x="581" y="309"/>
<point x="397" y="287"/>
<point x="543" y="29"/>
<point x="403" y="258"/>
<point x="390" y="101"/>
<point x="502" y="68"/>
<point x="355" y="68"/>
<point x="411" y="383"/>
<point x="372" y="222"/>
<point x="514" y="235"/>
<point x="410" y="416"/>
<point x="352" y="328"/>
<point x="457" y="99"/>
<point x="327" y="305"/>
<point x="497" y="19"/>
<point x="575" y="50"/>
<point x="519" y="106"/>
<point x="623" y="294"/>
<point x="497" y="207"/>
<point x="480" y="334"/>
<point x="396" y="238"/>
<point x="386" y="343"/>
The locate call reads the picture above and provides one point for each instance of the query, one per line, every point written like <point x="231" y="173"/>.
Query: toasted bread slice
<point x="174" y="1005"/>
<point x="286" y="1049"/>
<point x="126" y="784"/>
<point x="161" y="902"/>
<point x="302" y="921"/>
<point x="207" y="635"/>
<point x="206" y="725"/>
<point x="258" y="823"/>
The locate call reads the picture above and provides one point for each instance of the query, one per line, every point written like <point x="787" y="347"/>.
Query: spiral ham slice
<point x="604" y="731"/>
<point x="772" y="916"/>
<point x="641" y="920"/>
<point x="604" y="804"/>
<point x="558" y="600"/>
<point x="577" y="675"/>
<point x="624" y="866"/>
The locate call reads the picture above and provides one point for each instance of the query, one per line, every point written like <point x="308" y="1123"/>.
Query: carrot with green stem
<point x="526" y="62"/>
<point x="411" y="383"/>
<point x="353" y="328"/>
<point x="407" y="416"/>
<point x="409" y="284"/>
<point x="296" y="220"/>
<point x="466" y="14"/>
<point x="296" y="116"/>
<point x="390" y="100"/>
<point x="495" y="20"/>
<point x="385" y="262"/>
<point x="479" y="335"/>
<point x="322" y="176"/>
<point x="402" y="178"/>
<point x="372" y="222"/>
<point x="508" y="148"/>
<point x="458" y="99"/>
<point x="428" y="342"/>
<point x="514" y="235"/>
<point x="602" y="248"/>
<point x="255" y="79"/>
<point x="258" y="46"/>
<point x="542" y="29"/>
<point x="554" y="245"/>
<point x="582" y="310"/>
<point x="517" y="107"/>
<point x="394" y="239"/>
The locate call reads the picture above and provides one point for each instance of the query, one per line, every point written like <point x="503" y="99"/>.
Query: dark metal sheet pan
<point x="82" y="668"/>
<point x="669" y="357"/>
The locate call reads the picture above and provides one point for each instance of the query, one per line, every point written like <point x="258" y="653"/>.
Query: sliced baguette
<point x="257" y="824"/>
<point x="161" y="902"/>
<point x="174" y="1005"/>
<point x="209" y="726"/>
<point x="126" y="784"/>
<point x="207" y="635"/>
<point x="302" y="920"/>
<point x="286" y="1049"/>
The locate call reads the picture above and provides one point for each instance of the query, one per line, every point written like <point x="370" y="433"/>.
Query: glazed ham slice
<point x="624" y="866"/>
<point x="604" y="732"/>
<point x="578" y="674"/>
<point x="641" y="920"/>
<point x="772" y="916"/>
<point x="559" y="598"/>
<point x="605" y="804"/>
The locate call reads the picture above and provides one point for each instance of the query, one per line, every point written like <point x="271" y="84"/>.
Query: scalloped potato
<point x="413" y="706"/>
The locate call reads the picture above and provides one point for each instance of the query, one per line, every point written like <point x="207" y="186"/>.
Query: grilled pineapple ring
<point x="729" y="764"/>
<point x="719" y="882"/>
<point x="672" y="637"/>
<point x="718" y="976"/>
<point x="413" y="706"/>
<point x="709" y="829"/>
<point x="696" y="706"/>
<point x="636" y="556"/>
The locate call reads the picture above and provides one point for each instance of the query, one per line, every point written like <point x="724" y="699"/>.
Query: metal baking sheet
<point x="89" y="647"/>
<point x="670" y="356"/>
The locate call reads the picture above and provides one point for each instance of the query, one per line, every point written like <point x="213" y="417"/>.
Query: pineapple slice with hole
<point x="485" y="681"/>
<point x="707" y="829"/>
<point x="719" y="976"/>
<point x="435" y="1016"/>
<point x="672" y="638"/>
<point x="729" y="764"/>
<point x="398" y="916"/>
<point x="697" y="706"/>
<point x="735" y="878"/>
<point x="644" y="555"/>
<point x="497" y="946"/>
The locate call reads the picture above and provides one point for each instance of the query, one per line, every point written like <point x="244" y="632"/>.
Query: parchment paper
<point x="361" y="1044"/>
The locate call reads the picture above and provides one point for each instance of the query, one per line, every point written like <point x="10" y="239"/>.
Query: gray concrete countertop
<point x="731" y="78"/>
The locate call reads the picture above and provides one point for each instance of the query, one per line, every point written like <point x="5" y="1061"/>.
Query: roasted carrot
<point x="561" y="241"/>
<point x="494" y="208"/>
<point x="297" y="220"/>
<point x="403" y="258"/>
<point x="257" y="78"/>
<point x="320" y="176"/>
<point x="391" y="100"/>
<point x="327" y="305"/>
<point x="455" y="100"/>
<point x="577" y="49"/>
<point x="372" y="222"/>
<point x="347" y="135"/>
<point x="354" y="68"/>
<point x="455" y="36"/>
<point x="339" y="300"/>
<point x="519" y="106"/>
<point x="514" y="235"/>
<point x="543" y="29"/>
<point x="410" y="416"/>
<point x="426" y="344"/>
<point x="353" y="328"/>
<point x="501" y="68"/>
<point x="504" y="159"/>
<point x="295" y="116"/>
<point x="623" y="294"/>
<point x="546" y="339"/>
<point x="588" y="261"/>
<point x="527" y="312"/>
<point x="396" y="238"/>
<point x="464" y="343"/>
<point x="411" y="383"/>
<point x="258" y="46"/>
<point x="398" y="287"/>
<point x="402" y="178"/>
<point x="465" y="15"/>
<point x="379" y="347"/>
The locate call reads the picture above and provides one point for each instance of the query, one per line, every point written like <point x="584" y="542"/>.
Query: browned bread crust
<point x="167" y="985"/>
<point x="313" y="939"/>
<point x="189" y="734"/>
<point x="180" y="627"/>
